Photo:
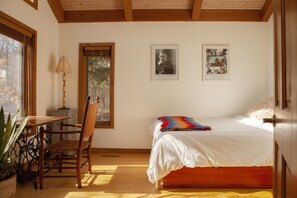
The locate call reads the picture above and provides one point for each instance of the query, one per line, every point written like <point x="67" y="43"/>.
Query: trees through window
<point x="17" y="66"/>
<point x="96" y="78"/>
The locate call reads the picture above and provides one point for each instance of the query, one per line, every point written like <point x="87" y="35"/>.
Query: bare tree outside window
<point x="18" y="49"/>
<point x="96" y="77"/>
<point x="99" y="84"/>
<point x="11" y="78"/>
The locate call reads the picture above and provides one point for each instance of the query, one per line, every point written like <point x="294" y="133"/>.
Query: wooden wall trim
<point x="16" y="25"/>
<point x="162" y="15"/>
<point x="57" y="9"/>
<point x="231" y="15"/>
<point x="127" y="5"/>
<point x="127" y="13"/>
<point x="82" y="84"/>
<point x="196" y="10"/>
<point x="267" y="10"/>
<point x="120" y="150"/>
<point x="82" y="78"/>
<point x="30" y="64"/>
<point x="33" y="3"/>
<point x="94" y="16"/>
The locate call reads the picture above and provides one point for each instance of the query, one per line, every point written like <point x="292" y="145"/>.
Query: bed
<point x="236" y="153"/>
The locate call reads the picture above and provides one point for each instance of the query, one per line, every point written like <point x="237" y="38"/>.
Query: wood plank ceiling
<point x="71" y="11"/>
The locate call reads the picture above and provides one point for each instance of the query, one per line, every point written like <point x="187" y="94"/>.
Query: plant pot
<point x="8" y="187"/>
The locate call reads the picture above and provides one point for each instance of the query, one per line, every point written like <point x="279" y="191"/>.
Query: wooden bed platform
<point x="222" y="177"/>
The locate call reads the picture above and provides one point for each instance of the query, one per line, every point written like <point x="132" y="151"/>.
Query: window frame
<point x="30" y="58"/>
<point x="82" y="79"/>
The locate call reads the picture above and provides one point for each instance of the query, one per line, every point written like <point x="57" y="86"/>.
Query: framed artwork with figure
<point x="164" y="62"/>
<point x="216" y="65"/>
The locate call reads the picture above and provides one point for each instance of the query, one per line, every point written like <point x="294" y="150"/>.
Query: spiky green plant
<point x="9" y="133"/>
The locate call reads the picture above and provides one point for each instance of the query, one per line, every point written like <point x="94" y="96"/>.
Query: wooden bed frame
<point x="221" y="177"/>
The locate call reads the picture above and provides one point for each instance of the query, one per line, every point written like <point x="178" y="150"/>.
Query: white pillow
<point x="265" y="109"/>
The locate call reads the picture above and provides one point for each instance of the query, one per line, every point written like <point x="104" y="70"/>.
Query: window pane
<point x="99" y="70"/>
<point x="11" y="74"/>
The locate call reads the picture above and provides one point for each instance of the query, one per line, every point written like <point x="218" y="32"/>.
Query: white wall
<point x="45" y="23"/>
<point x="139" y="101"/>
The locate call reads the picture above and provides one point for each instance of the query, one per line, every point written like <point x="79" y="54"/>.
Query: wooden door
<point x="285" y="138"/>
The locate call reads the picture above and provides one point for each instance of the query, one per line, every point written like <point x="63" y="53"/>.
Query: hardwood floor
<point x="121" y="175"/>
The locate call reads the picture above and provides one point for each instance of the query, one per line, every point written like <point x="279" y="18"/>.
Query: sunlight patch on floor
<point x="109" y="195"/>
<point x="102" y="180"/>
<point x="113" y="167"/>
<point x="207" y="193"/>
<point x="104" y="168"/>
<point x="170" y="194"/>
<point x="124" y="177"/>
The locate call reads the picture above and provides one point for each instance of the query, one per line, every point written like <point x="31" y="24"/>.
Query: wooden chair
<point x="53" y="155"/>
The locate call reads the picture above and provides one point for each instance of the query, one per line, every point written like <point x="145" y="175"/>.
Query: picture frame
<point x="216" y="64"/>
<point x="33" y="3"/>
<point x="165" y="65"/>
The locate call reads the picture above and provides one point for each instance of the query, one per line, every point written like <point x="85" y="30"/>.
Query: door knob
<point x="270" y="120"/>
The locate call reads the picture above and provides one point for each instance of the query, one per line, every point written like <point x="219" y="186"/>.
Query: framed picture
<point x="33" y="3"/>
<point x="164" y="62"/>
<point x="216" y="64"/>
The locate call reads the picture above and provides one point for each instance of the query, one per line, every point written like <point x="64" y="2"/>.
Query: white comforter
<point x="235" y="141"/>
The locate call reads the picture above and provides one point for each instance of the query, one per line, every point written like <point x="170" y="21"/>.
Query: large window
<point x="96" y="79"/>
<point x="17" y="66"/>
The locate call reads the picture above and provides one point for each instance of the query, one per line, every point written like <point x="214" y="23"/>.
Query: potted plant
<point x="9" y="133"/>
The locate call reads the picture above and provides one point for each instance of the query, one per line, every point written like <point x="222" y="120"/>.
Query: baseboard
<point x="120" y="150"/>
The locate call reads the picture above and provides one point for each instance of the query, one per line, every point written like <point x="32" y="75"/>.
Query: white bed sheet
<point x="232" y="142"/>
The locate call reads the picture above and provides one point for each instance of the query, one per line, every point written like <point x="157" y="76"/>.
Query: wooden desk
<point x="29" y="146"/>
<point x="35" y="121"/>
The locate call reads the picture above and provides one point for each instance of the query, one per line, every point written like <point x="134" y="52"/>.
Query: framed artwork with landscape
<point x="164" y="62"/>
<point x="215" y="64"/>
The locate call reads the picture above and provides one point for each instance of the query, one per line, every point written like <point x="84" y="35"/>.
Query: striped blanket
<point x="181" y="123"/>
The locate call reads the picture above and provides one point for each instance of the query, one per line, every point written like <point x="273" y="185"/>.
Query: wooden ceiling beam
<point x="128" y="9"/>
<point x="267" y="10"/>
<point x="162" y="15"/>
<point x="231" y="15"/>
<point x="196" y="9"/>
<point x="57" y="9"/>
<point x="94" y="16"/>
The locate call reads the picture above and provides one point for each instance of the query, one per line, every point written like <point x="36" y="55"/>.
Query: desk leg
<point x="26" y="150"/>
<point x="41" y="157"/>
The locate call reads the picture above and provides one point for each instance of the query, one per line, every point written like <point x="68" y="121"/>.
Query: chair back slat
<point x="89" y="119"/>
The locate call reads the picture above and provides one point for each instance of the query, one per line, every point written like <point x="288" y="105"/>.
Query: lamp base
<point x="63" y="108"/>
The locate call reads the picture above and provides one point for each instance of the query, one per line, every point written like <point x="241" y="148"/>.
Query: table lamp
<point x="63" y="67"/>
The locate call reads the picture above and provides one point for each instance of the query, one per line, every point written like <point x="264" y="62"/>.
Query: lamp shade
<point x="63" y="66"/>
